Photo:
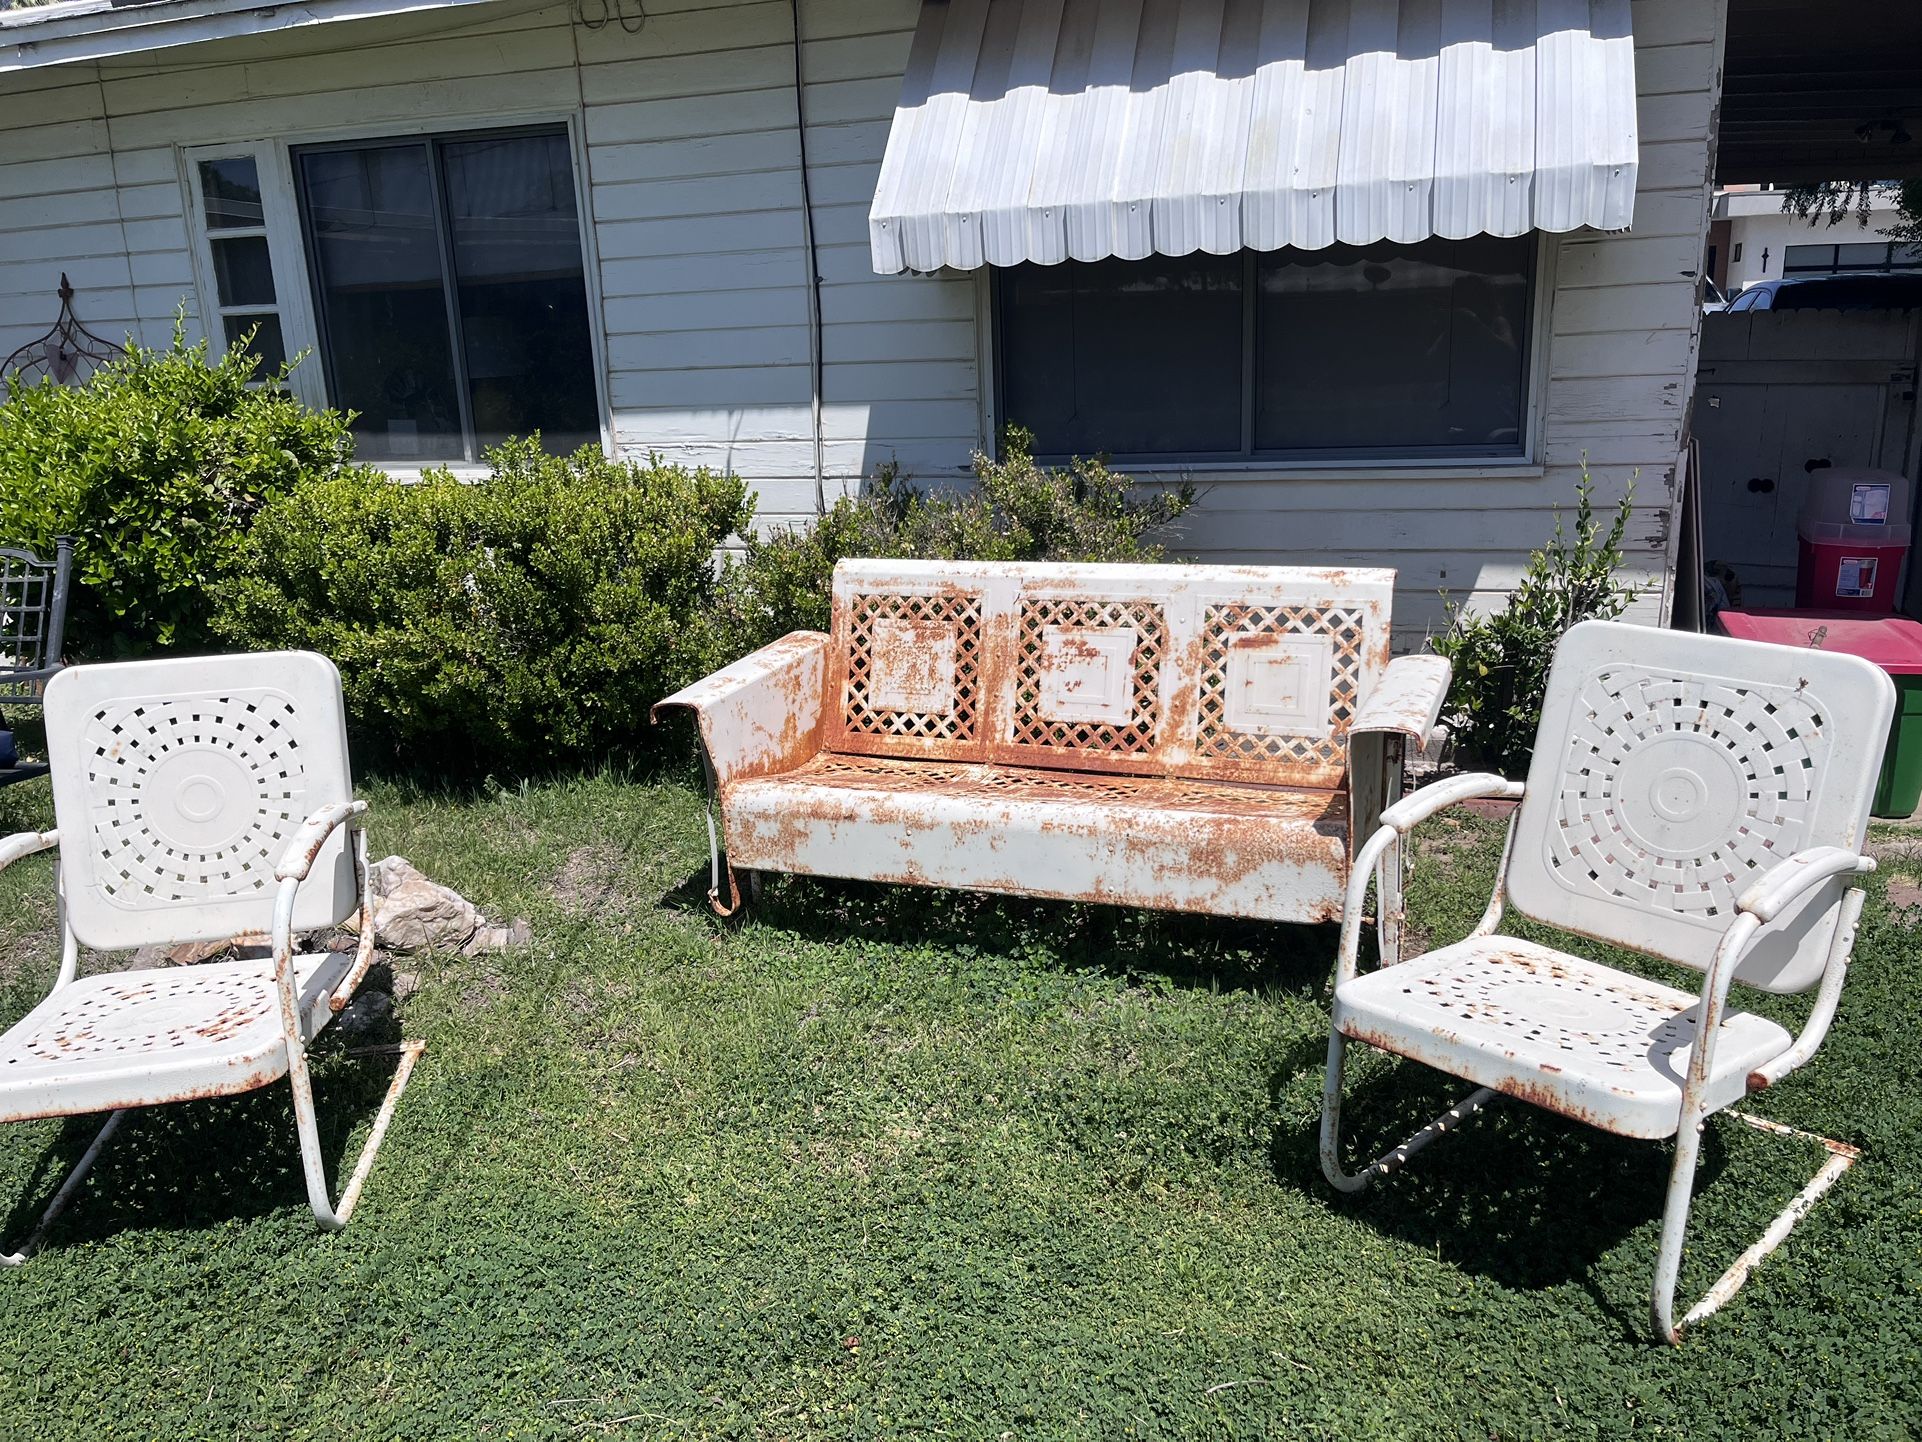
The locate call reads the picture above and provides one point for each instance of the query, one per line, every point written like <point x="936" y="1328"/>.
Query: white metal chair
<point x="192" y="798"/>
<point x="1694" y="798"/>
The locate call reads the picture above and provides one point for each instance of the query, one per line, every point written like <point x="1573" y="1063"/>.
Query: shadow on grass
<point x="447" y="778"/>
<point x="1185" y="950"/>
<point x="187" y="1166"/>
<point x="1520" y="1196"/>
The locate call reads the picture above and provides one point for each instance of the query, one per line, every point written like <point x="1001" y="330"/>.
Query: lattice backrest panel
<point x="1245" y="672"/>
<point x="1090" y="677"/>
<point x="178" y="785"/>
<point x="908" y="664"/>
<point x="26" y="607"/>
<point x="1671" y="770"/>
<point x="1279" y="685"/>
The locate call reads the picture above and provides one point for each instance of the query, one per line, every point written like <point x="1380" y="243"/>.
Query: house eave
<point x="65" y="34"/>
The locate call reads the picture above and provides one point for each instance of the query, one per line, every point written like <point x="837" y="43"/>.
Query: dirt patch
<point x="1895" y="846"/>
<point x="589" y="880"/>
<point x="481" y="984"/>
<point x="1903" y="892"/>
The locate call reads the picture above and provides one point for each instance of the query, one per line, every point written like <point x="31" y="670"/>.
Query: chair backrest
<point x="176" y="785"/>
<point x="1672" y="769"/>
<point x="1244" y="672"/>
<point x="33" y="609"/>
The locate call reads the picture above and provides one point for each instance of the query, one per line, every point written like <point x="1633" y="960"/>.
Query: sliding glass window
<point x="451" y="291"/>
<point x="1347" y="353"/>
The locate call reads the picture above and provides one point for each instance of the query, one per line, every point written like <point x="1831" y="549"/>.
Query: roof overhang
<point x="1049" y="130"/>
<point x="1821" y="90"/>
<point x="79" y="30"/>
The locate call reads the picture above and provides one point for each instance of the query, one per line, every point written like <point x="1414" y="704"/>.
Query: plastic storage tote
<point x="1854" y="534"/>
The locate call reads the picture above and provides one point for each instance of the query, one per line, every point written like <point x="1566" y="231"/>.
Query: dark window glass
<point x="383" y="299"/>
<point x="230" y="188"/>
<point x="243" y="270"/>
<point x="453" y="302"/>
<point x="1125" y="357"/>
<point x="1410" y="349"/>
<point x="523" y="299"/>
<point x="1393" y="347"/>
<point x="267" y="343"/>
<point x="1863" y="256"/>
<point x="1905" y="257"/>
<point x="1807" y="258"/>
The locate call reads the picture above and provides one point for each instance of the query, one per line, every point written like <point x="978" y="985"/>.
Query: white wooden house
<point x="1459" y="239"/>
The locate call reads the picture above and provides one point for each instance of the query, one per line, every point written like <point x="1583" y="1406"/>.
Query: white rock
<point x="412" y="913"/>
<point x="500" y="938"/>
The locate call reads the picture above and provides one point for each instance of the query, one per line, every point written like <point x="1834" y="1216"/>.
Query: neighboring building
<point x="1752" y="238"/>
<point x="484" y="217"/>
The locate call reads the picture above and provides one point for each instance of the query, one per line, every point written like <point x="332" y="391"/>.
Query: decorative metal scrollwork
<point x="68" y="353"/>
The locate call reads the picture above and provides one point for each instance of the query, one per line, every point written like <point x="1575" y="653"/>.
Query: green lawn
<point x="899" y="1164"/>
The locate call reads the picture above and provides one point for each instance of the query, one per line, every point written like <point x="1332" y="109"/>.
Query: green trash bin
<point x="1892" y="642"/>
<point x="1899" y="791"/>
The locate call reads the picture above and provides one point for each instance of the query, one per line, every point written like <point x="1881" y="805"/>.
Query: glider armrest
<point x="762" y="714"/>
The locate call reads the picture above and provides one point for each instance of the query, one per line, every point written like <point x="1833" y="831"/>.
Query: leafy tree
<point x="1835" y="201"/>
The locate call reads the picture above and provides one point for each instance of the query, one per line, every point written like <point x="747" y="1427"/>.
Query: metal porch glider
<point x="1190" y="738"/>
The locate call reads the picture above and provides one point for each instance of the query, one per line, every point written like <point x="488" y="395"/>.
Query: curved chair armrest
<point x="1407" y="699"/>
<point x="1396" y="822"/>
<point x="762" y="714"/>
<point x="1767" y="898"/>
<point x="1778" y="887"/>
<point x="304" y="845"/>
<point x="295" y="863"/>
<point x="26" y="843"/>
<point x="1416" y="807"/>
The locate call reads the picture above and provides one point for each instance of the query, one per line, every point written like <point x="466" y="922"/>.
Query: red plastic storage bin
<point x="1848" y="575"/>
<point x="1854" y="534"/>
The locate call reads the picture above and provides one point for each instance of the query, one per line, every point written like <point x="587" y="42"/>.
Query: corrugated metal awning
<point x="1050" y="130"/>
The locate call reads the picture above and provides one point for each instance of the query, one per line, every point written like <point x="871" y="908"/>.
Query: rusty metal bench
<point x="1188" y="738"/>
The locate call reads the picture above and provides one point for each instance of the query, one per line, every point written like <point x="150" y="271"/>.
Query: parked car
<point x="1713" y="298"/>
<point x="1831" y="292"/>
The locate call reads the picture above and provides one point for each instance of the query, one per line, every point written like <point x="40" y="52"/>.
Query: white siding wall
<point x="695" y="191"/>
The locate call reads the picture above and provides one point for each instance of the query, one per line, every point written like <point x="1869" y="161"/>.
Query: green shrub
<point x="528" y="618"/>
<point x="1017" y="510"/>
<point x="1501" y="660"/>
<point x="156" y="466"/>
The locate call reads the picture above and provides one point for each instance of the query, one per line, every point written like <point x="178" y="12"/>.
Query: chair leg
<point x="1393" y="1160"/>
<point x="1681" y="1188"/>
<point x="331" y="1217"/>
<point x="68" y="1189"/>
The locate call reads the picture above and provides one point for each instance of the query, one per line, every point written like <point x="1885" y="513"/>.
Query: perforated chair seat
<point x="127" y="1038"/>
<point x="1569" y="1035"/>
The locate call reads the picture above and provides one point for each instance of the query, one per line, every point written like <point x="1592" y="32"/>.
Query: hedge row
<point x="513" y="623"/>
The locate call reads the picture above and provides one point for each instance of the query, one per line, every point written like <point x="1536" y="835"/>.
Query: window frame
<point x="280" y="227"/>
<point x="1889" y="266"/>
<point x="1528" y="461"/>
<point x="289" y="250"/>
